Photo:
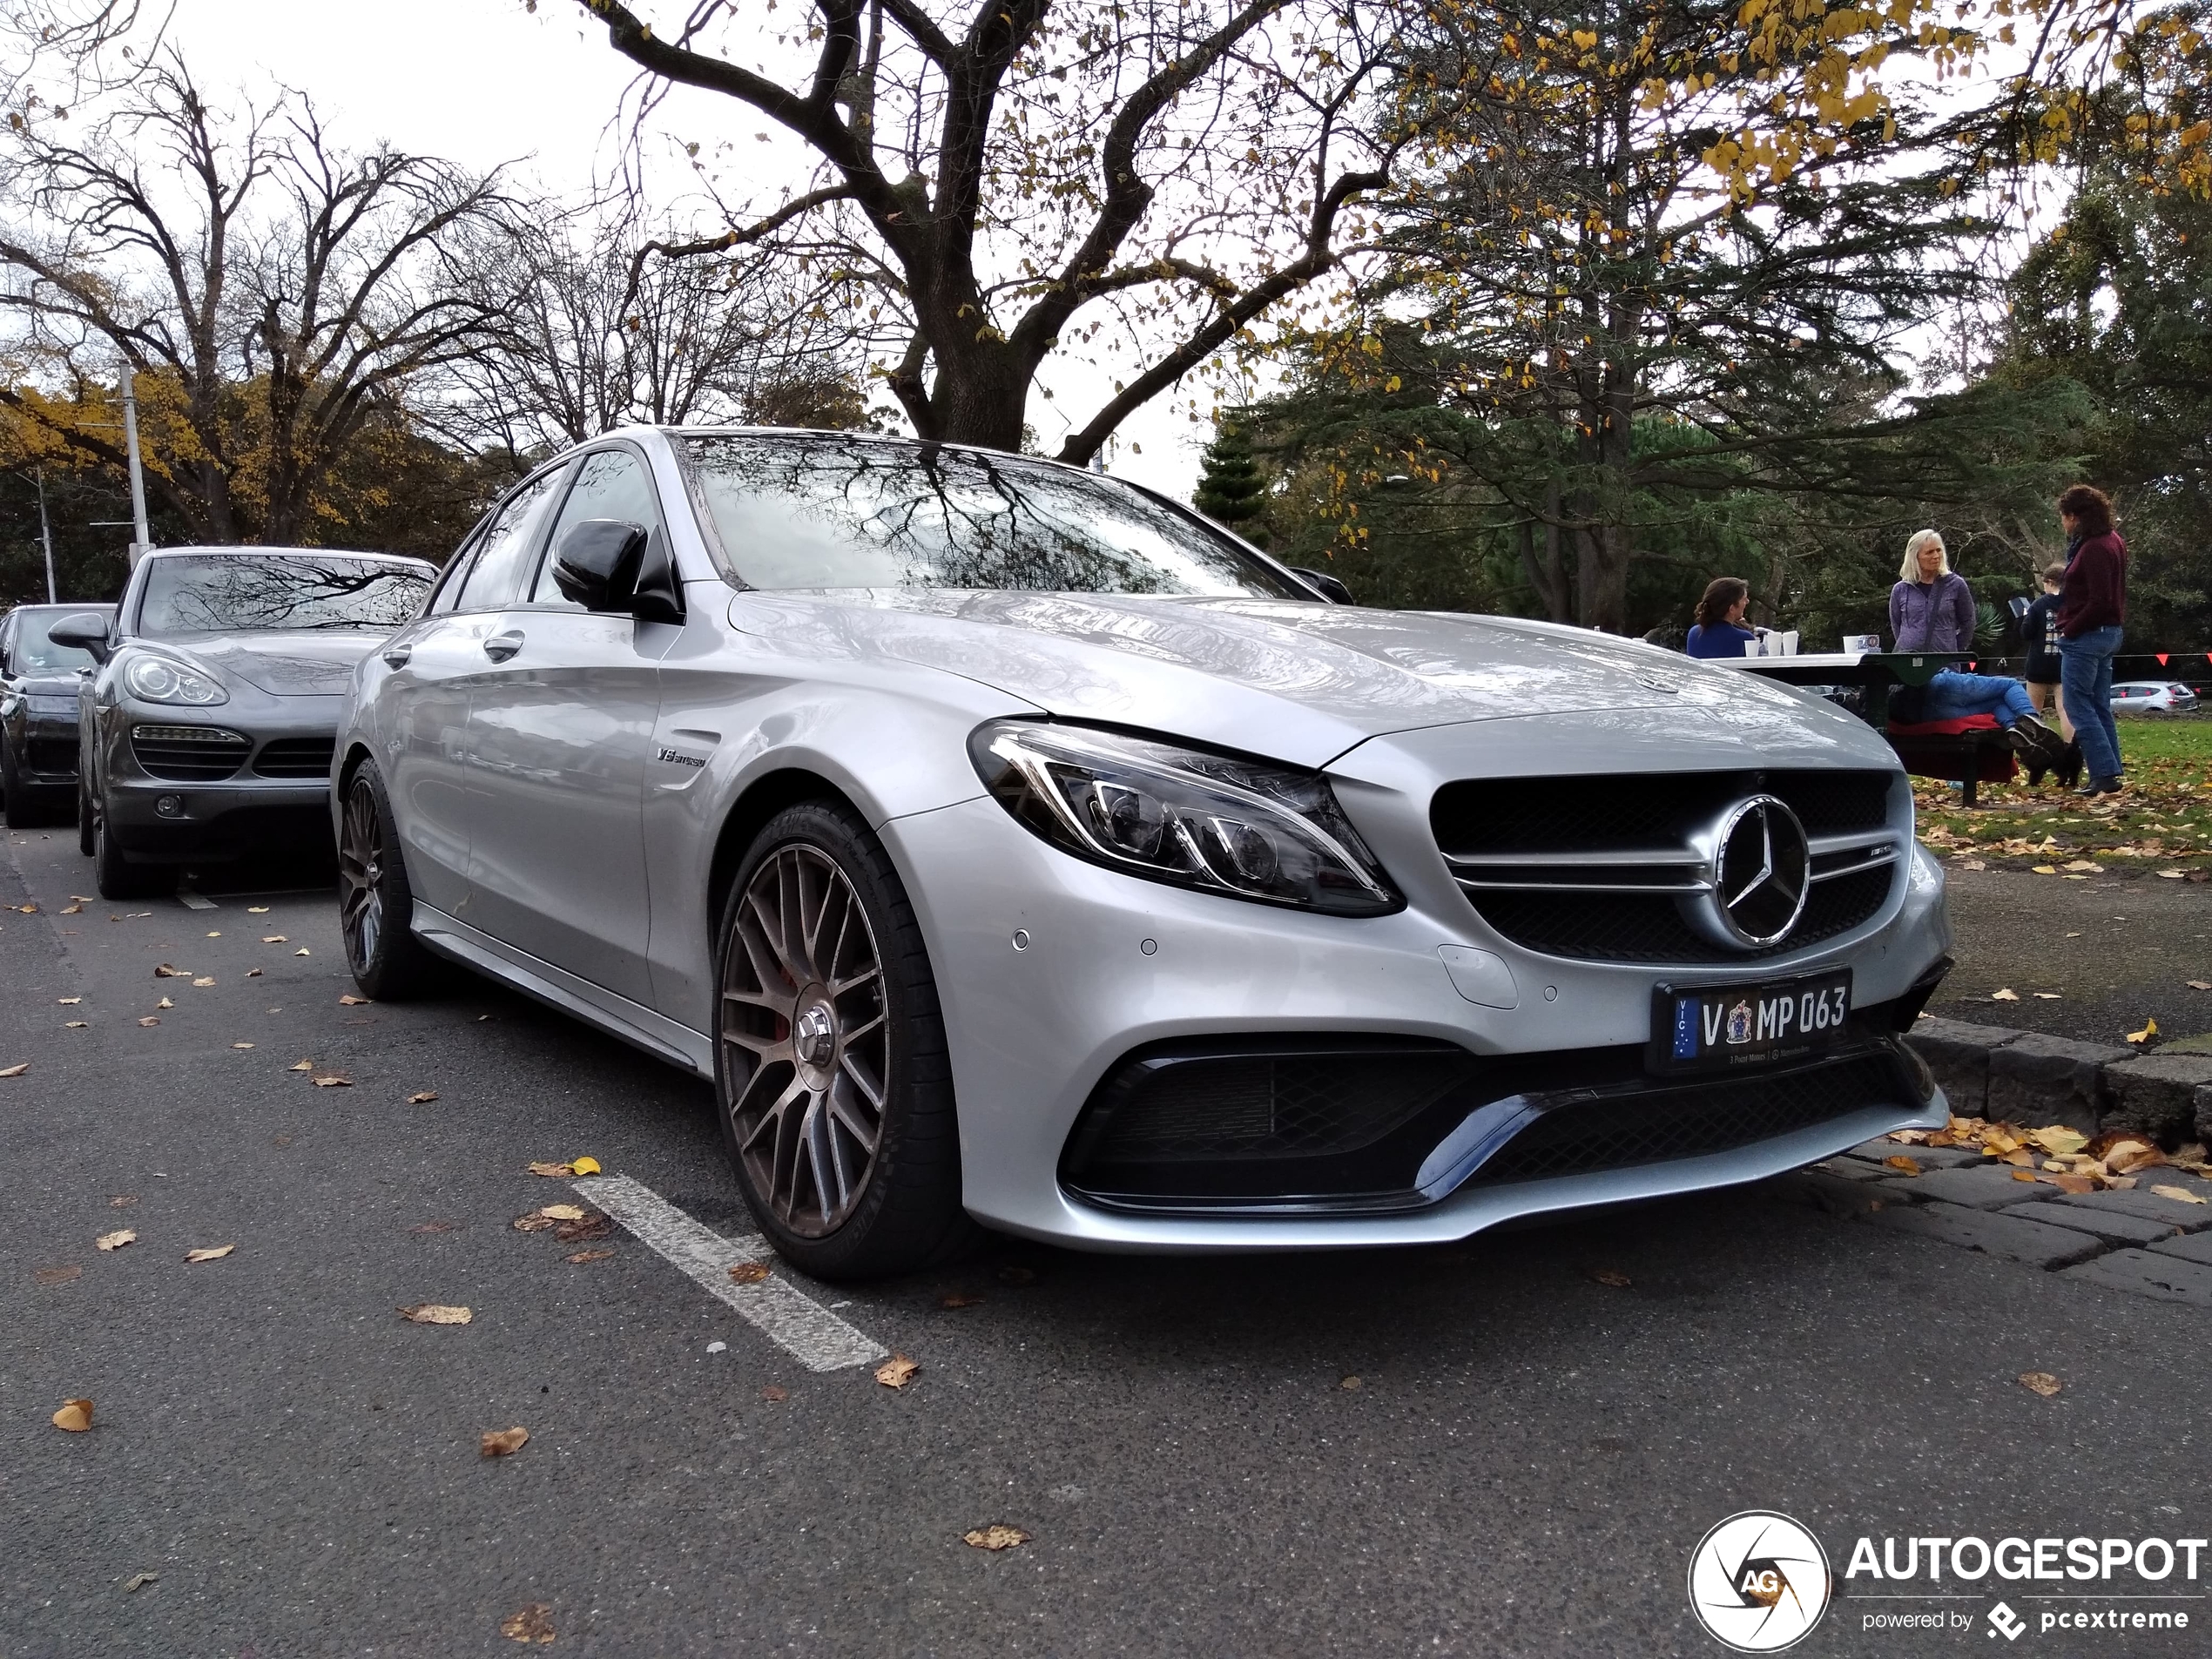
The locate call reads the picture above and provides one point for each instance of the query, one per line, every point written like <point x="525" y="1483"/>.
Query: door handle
<point x="396" y="656"/>
<point x="500" y="647"/>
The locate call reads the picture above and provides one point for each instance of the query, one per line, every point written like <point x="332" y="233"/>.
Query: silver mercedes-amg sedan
<point x="1011" y="845"/>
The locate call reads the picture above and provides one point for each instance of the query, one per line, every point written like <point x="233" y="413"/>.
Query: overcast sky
<point x="486" y="81"/>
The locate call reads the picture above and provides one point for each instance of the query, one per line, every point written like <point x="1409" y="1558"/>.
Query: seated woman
<point x="1719" y="630"/>
<point x="1932" y="609"/>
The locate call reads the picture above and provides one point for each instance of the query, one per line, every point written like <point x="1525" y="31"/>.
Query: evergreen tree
<point x="1230" y="490"/>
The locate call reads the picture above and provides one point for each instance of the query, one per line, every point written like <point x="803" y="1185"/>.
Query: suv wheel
<point x="375" y="902"/>
<point x="116" y="877"/>
<point x="831" y="1073"/>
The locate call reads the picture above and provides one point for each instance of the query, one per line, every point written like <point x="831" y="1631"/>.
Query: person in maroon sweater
<point x="2093" y="605"/>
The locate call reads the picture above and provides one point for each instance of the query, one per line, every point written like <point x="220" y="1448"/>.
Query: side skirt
<point x="660" y="1036"/>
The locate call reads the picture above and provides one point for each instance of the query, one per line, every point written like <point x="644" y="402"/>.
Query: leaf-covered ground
<point x="2163" y="823"/>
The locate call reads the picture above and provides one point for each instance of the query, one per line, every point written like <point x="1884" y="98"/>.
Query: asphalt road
<point x="1527" y="1462"/>
<point x="2118" y="947"/>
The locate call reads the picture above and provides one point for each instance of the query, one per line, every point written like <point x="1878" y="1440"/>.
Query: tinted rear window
<point x="266" y="592"/>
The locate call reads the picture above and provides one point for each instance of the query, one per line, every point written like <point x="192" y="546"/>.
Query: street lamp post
<point x="140" y="539"/>
<point x="46" y="535"/>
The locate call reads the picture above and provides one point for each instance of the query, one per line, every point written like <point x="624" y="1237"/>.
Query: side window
<point x="612" y="483"/>
<point x="503" y="548"/>
<point x="447" y="593"/>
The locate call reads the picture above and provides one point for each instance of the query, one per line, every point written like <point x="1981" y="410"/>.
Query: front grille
<point x="295" y="758"/>
<point x="1600" y="868"/>
<point x="1648" y="927"/>
<point x="1693" y="1120"/>
<point x="191" y="754"/>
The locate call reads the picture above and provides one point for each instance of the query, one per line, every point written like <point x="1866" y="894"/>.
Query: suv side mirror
<point x="1331" y="589"/>
<point x="596" y="566"/>
<point x="86" y="631"/>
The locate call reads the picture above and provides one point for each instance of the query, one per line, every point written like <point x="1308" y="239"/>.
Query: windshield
<point x="823" y="511"/>
<point x="221" y="593"/>
<point x="35" y="654"/>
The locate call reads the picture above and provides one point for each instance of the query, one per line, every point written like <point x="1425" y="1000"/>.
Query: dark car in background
<point x="38" y="714"/>
<point x="207" y="729"/>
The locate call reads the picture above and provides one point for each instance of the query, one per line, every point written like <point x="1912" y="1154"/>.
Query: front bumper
<point x="1051" y="971"/>
<point x="171" y="821"/>
<point x="46" y="750"/>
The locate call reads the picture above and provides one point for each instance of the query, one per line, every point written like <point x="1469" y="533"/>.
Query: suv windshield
<point x="823" y="511"/>
<point x="35" y="654"/>
<point x="221" y="593"/>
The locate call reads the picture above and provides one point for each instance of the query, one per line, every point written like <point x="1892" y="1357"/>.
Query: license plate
<point x="1717" y="1028"/>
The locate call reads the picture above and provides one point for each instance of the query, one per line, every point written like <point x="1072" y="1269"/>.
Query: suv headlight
<point x="156" y="679"/>
<point x="1183" y="816"/>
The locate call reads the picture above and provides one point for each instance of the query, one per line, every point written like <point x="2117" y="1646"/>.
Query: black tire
<point x="376" y="902"/>
<point x="864" y="1003"/>
<point x="22" y="811"/>
<point x="87" y="813"/>
<point x="116" y="877"/>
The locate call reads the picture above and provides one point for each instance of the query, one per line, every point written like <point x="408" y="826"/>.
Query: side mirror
<point x="1331" y="589"/>
<point x="86" y="631"/>
<point x="596" y="566"/>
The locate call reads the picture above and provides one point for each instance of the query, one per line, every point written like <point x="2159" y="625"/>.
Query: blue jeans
<point x="2085" y="670"/>
<point x="1953" y="696"/>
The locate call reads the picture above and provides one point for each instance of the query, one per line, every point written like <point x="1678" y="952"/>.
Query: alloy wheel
<point x="360" y="875"/>
<point x="805" y="1039"/>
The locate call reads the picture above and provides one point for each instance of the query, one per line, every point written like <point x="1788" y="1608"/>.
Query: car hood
<point x="1301" y="682"/>
<point x="283" y="665"/>
<point x="50" y="685"/>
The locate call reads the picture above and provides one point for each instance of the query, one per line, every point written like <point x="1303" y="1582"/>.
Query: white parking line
<point x="786" y="1315"/>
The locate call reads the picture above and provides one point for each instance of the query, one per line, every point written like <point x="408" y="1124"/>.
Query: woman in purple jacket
<point x="1932" y="609"/>
<point x="2091" y="615"/>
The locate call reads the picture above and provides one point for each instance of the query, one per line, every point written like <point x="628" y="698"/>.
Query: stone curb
<point x="1995" y="1072"/>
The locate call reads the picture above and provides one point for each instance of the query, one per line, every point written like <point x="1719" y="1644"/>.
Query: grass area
<point x="2163" y="822"/>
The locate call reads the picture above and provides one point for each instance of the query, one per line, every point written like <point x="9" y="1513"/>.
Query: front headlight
<point x="155" y="680"/>
<point x="1183" y="816"/>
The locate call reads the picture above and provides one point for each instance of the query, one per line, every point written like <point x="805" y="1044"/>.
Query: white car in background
<point x="2138" y="697"/>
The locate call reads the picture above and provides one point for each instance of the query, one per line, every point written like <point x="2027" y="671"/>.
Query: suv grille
<point x="1716" y="1115"/>
<point x="296" y="758"/>
<point x="1598" y="868"/>
<point x="191" y="754"/>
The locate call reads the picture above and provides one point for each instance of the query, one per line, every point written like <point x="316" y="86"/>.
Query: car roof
<point x="244" y="550"/>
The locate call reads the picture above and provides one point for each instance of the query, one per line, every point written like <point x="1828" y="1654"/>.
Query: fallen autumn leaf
<point x="584" y="1166"/>
<point x="1616" y="1278"/>
<point x="303" y="1065"/>
<point x="57" y="1275"/>
<point x="532" y="1624"/>
<point x="139" y="1580"/>
<point x="149" y="1020"/>
<point x="896" y="1372"/>
<point x="1900" y="1160"/>
<point x="2040" y="1382"/>
<point x="422" y="1098"/>
<point x="2180" y="1195"/>
<point x="957" y="1299"/>
<point x="584" y="1256"/>
<point x="76" y="1416"/>
<point x="333" y="1080"/>
<point x="2149" y="1030"/>
<point x="354" y="1001"/>
<point x="436" y="1313"/>
<point x="16" y="1070"/>
<point x="209" y="1252"/>
<point x="2007" y="994"/>
<point x="748" y="1272"/>
<point x="115" y="1240"/>
<point x="995" y="1537"/>
<point x="773" y="1392"/>
<point x="503" y="1442"/>
<point x="205" y="980"/>
<point x="551" y="1168"/>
